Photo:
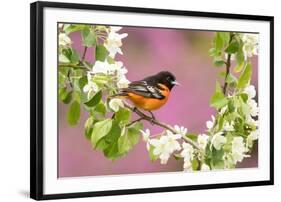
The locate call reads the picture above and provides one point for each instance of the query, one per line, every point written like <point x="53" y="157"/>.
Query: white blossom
<point x="115" y="104"/>
<point x="228" y="126"/>
<point x="250" y="91"/>
<point x="102" y="68"/>
<point x="202" y="140"/>
<point x="205" y="167"/>
<point x="252" y="121"/>
<point x="165" y="146"/>
<point x="145" y="135"/>
<point x="223" y="110"/>
<point x="64" y="40"/>
<point x="210" y="124"/>
<point x="180" y="130"/>
<point x="187" y="153"/>
<point x="123" y="82"/>
<point x="254" y="135"/>
<point x="91" y="87"/>
<point x="114" y="41"/>
<point x="254" y="110"/>
<point x="250" y="46"/>
<point x="116" y="68"/>
<point x="218" y="140"/>
<point x="173" y="144"/>
<point x="238" y="149"/>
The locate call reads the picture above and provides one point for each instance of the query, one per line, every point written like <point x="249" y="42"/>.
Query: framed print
<point x="134" y="100"/>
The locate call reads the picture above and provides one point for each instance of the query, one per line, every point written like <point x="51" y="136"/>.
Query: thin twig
<point x="159" y="123"/>
<point x="227" y="66"/>
<point x="84" y="54"/>
<point x="75" y="66"/>
<point x="68" y="77"/>
<point x="129" y="124"/>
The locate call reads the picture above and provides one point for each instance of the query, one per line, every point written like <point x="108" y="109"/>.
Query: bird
<point x="150" y="93"/>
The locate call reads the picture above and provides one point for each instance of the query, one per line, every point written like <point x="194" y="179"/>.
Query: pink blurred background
<point x="146" y="52"/>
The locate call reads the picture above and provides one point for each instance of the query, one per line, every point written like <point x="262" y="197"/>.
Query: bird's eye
<point x="169" y="78"/>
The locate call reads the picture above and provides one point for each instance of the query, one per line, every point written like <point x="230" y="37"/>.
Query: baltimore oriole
<point x="150" y="93"/>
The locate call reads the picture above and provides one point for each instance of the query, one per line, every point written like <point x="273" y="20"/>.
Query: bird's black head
<point x="167" y="78"/>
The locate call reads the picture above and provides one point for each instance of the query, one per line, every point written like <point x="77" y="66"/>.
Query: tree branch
<point x="227" y="66"/>
<point x="159" y="123"/>
<point x="75" y="66"/>
<point x="84" y="54"/>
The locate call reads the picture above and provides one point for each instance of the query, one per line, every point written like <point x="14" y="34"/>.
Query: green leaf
<point x="231" y="106"/>
<point x="85" y="32"/>
<point x="134" y="132"/>
<point x="244" y="97"/>
<point x="228" y="146"/>
<point x="73" y="114"/>
<point x="89" y="127"/>
<point x="218" y="87"/>
<point x="73" y="28"/>
<point x="63" y="58"/>
<point x="69" y="55"/>
<point x="177" y="156"/>
<point x="62" y="93"/>
<point x="100" y="130"/>
<point x="225" y="37"/>
<point x="195" y="164"/>
<point x="151" y="155"/>
<point x="217" y="161"/>
<point x="232" y="80"/>
<point x="75" y="57"/>
<point x="68" y="98"/>
<point x="89" y="38"/>
<point x="67" y="52"/>
<point x="245" y="109"/>
<point x="245" y="77"/>
<point x="239" y="67"/>
<point x="102" y="144"/>
<point x="214" y="52"/>
<point x="82" y="82"/>
<point x="240" y="56"/>
<point x="94" y="100"/>
<point x="111" y="151"/>
<point x="101" y="53"/>
<point x="124" y="144"/>
<point x="221" y="40"/>
<point x="219" y="43"/>
<point x="233" y="47"/>
<point x="123" y="116"/>
<point x="129" y="138"/>
<point x="192" y="136"/>
<point x="110" y="60"/>
<point x="100" y="108"/>
<point x="220" y="121"/>
<point x="218" y="100"/>
<point x="218" y="62"/>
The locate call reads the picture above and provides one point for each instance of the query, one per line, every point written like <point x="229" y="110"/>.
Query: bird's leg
<point x="152" y="115"/>
<point x="140" y="113"/>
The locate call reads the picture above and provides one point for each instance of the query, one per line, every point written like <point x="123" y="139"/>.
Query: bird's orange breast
<point x="150" y="104"/>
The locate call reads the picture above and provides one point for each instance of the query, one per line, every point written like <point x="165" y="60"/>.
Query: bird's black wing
<point x="144" y="89"/>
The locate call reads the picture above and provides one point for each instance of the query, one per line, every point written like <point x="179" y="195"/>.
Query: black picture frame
<point x="37" y="101"/>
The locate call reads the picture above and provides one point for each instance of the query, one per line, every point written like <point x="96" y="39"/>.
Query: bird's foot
<point x="152" y="118"/>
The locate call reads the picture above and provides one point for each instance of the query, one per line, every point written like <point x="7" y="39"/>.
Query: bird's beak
<point x="176" y="83"/>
